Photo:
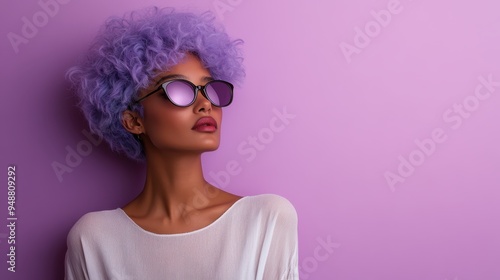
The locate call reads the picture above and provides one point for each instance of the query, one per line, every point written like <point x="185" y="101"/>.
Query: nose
<point x="202" y="104"/>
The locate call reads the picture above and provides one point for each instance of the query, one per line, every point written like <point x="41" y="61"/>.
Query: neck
<point x="172" y="184"/>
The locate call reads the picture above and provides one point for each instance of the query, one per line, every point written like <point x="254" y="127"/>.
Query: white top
<point x="256" y="238"/>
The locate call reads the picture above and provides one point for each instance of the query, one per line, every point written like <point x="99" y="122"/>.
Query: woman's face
<point x="170" y="128"/>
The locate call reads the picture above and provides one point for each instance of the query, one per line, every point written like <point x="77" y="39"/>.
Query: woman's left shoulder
<point x="272" y="204"/>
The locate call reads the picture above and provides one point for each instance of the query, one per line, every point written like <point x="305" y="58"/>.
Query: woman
<point x="153" y="86"/>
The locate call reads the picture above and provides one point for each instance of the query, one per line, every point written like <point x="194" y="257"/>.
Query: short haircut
<point x="130" y="51"/>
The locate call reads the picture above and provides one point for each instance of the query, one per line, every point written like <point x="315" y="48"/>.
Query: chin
<point x="212" y="148"/>
<point x="209" y="145"/>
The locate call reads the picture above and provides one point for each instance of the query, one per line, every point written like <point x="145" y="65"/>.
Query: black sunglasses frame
<point x="195" y="90"/>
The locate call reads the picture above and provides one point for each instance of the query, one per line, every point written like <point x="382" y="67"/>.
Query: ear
<point x="132" y="122"/>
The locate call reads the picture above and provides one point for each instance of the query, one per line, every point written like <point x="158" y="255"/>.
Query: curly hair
<point x="127" y="54"/>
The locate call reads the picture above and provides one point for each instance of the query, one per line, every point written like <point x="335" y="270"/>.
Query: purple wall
<point x="377" y="119"/>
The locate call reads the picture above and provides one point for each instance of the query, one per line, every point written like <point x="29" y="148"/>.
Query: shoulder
<point x="272" y="205"/>
<point x="89" y="237"/>
<point x="92" y="225"/>
<point x="271" y="201"/>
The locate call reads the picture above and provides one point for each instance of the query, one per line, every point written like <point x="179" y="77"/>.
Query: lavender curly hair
<point x="128" y="53"/>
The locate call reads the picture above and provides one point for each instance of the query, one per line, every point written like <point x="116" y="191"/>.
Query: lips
<point x="205" y="124"/>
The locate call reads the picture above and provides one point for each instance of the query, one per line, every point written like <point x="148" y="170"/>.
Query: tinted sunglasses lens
<point x="180" y="93"/>
<point x="219" y="93"/>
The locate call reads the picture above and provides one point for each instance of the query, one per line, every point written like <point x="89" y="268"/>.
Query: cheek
<point x="164" y="124"/>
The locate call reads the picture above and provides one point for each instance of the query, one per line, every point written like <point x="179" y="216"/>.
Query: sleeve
<point x="282" y="241"/>
<point x="75" y="267"/>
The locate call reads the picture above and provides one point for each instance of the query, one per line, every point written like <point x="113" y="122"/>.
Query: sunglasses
<point x="183" y="93"/>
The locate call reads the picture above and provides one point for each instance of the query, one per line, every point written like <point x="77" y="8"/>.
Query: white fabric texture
<point x="256" y="238"/>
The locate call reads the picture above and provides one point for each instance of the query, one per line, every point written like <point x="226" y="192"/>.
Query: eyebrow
<point x="178" y="76"/>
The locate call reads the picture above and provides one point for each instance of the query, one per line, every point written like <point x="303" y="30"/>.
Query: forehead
<point x="190" y="67"/>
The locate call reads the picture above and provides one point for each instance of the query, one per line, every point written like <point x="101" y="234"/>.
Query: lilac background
<point x="354" y="116"/>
